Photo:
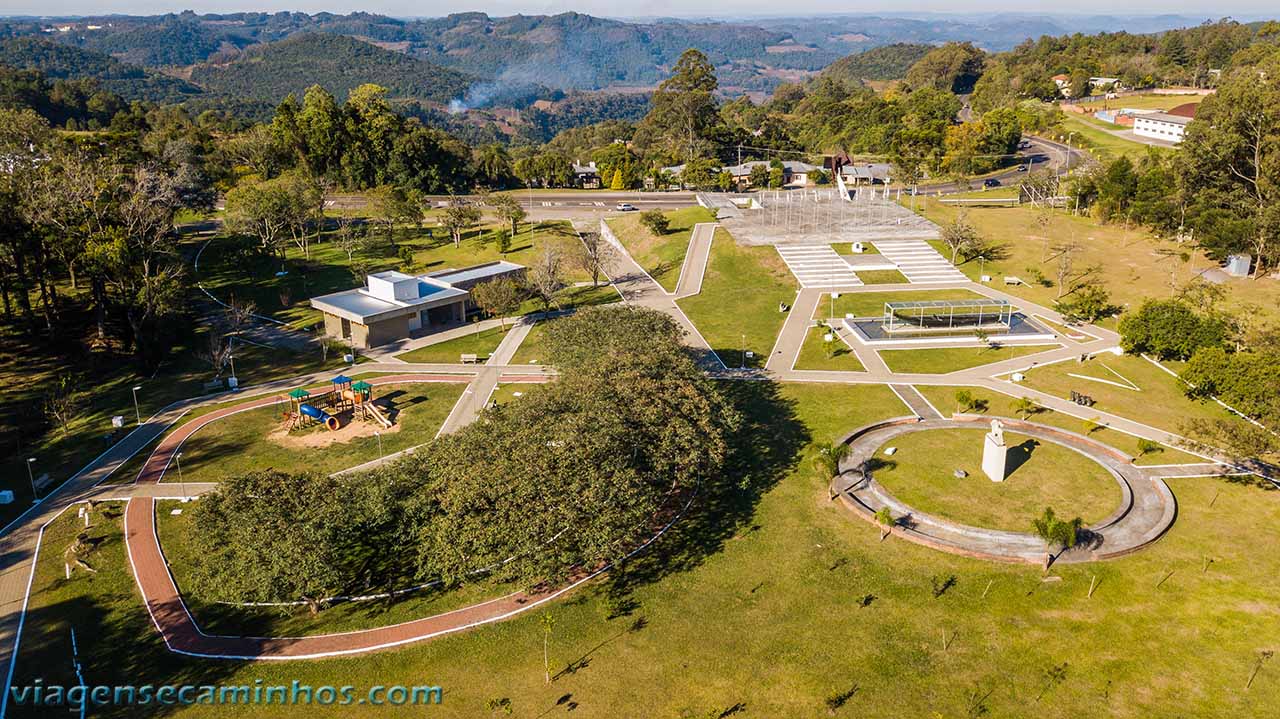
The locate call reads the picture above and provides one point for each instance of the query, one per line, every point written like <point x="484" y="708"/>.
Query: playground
<point x="283" y="436"/>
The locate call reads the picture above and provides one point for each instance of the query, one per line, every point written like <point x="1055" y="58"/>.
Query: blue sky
<point x="613" y="8"/>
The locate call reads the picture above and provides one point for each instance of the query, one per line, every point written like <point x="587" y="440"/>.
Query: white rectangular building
<point x="1161" y="126"/>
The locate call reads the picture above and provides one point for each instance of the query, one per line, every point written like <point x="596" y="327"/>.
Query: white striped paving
<point x="918" y="261"/>
<point x="818" y="266"/>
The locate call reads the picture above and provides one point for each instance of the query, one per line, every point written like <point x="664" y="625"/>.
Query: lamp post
<point x="379" y="436"/>
<point x="182" y="482"/>
<point x="32" y="478"/>
<point x="136" y="412"/>
<point x="982" y="266"/>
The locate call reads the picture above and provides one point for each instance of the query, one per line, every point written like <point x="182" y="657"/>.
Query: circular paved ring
<point x="1147" y="508"/>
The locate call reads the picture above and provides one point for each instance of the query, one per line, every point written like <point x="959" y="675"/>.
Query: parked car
<point x="626" y="207"/>
<point x="1022" y="168"/>
<point x="991" y="182"/>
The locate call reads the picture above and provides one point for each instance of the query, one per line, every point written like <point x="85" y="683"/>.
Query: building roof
<point x="1164" y="117"/>
<point x="588" y="169"/>
<point x="792" y="166"/>
<point x="868" y="170"/>
<point x="476" y="273"/>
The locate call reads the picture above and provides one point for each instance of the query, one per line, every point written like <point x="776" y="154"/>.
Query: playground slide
<point x="378" y="415"/>
<point x="318" y="414"/>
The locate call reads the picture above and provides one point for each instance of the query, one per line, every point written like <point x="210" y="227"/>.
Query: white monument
<point x="995" y="455"/>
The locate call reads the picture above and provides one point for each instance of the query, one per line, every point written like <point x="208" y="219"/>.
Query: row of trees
<point x="591" y="464"/>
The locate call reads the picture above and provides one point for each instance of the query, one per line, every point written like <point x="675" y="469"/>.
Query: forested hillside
<point x="334" y="62"/>
<point x="889" y="62"/>
<point x="58" y="61"/>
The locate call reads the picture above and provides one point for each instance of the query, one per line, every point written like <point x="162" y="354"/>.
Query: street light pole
<point x="182" y="482"/>
<point x="379" y="436"/>
<point x="743" y="363"/>
<point x="32" y="478"/>
<point x="136" y="412"/>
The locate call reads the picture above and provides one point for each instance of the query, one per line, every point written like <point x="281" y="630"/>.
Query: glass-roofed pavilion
<point x="946" y="316"/>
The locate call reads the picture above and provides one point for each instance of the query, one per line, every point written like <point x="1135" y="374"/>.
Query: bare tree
<point x="544" y="277"/>
<point x="596" y="253"/>
<point x="960" y="235"/>
<point x="62" y="401"/>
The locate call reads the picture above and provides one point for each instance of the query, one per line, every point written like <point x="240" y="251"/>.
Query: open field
<point x="1126" y="258"/>
<point x="813" y="354"/>
<point x="256" y="439"/>
<point x="1159" y="401"/>
<point x="660" y="256"/>
<point x="739" y="300"/>
<point x="1091" y="134"/>
<point x="1002" y="405"/>
<point x="755" y="600"/>
<point x="921" y="473"/>
<point x="533" y="349"/>
<point x="941" y="360"/>
<point x="871" y="304"/>
<point x="1145" y="102"/>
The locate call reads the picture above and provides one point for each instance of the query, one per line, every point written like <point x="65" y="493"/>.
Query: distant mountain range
<point x="473" y="60"/>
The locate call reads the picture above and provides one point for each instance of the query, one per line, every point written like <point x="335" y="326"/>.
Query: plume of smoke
<point x="555" y="70"/>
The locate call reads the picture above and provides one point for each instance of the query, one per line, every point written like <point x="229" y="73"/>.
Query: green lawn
<point x="481" y="343"/>
<point x="921" y="473"/>
<point x="660" y="256"/>
<point x="1092" y="134"/>
<point x="533" y="349"/>
<point x="755" y="600"/>
<point x="248" y="441"/>
<point x="941" y="360"/>
<point x="1002" y="405"/>
<point x="739" y="300"/>
<point x="813" y="354"/>
<point x="1159" y="401"/>
<point x="871" y="304"/>
<point x="881" y="277"/>
<point x="1145" y="102"/>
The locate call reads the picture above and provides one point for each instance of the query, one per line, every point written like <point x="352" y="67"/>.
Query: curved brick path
<point x="183" y="636"/>
<point x="1146" y="510"/>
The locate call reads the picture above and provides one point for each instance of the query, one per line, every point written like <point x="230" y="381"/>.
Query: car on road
<point x="626" y="207"/>
<point x="991" y="182"/>
<point x="1022" y="168"/>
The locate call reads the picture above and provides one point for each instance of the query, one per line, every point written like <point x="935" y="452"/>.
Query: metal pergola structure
<point x="947" y="315"/>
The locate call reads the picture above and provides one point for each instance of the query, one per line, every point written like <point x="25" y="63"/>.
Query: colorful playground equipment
<point x="306" y="409"/>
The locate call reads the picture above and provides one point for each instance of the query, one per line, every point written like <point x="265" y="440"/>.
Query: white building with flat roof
<point x="1161" y="126"/>
<point x="394" y="305"/>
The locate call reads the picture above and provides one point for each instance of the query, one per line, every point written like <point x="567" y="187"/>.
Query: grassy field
<point x="1126" y="258"/>
<point x="940" y="360"/>
<point x="533" y="349"/>
<point x="1144" y="102"/>
<point x="1002" y="405"/>
<point x="1159" y="401"/>
<point x="881" y="277"/>
<point x="871" y="304"/>
<point x="739" y="300"/>
<point x="254" y="439"/>
<point x="481" y="343"/>
<point x="660" y="256"/>
<point x="921" y="473"/>
<point x="230" y="268"/>
<point x="757" y="600"/>
<point x="813" y="354"/>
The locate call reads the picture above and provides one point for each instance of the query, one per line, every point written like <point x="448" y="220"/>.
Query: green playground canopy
<point x="299" y="394"/>
<point x="361" y="386"/>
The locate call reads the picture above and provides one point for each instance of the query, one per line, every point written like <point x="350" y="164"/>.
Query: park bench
<point x="1013" y="281"/>
<point x="470" y="359"/>
<point x="212" y="386"/>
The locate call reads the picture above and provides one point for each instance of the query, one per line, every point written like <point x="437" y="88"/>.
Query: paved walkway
<point x="696" y="259"/>
<point x="915" y="401"/>
<point x="1147" y="507"/>
<point x="638" y="288"/>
